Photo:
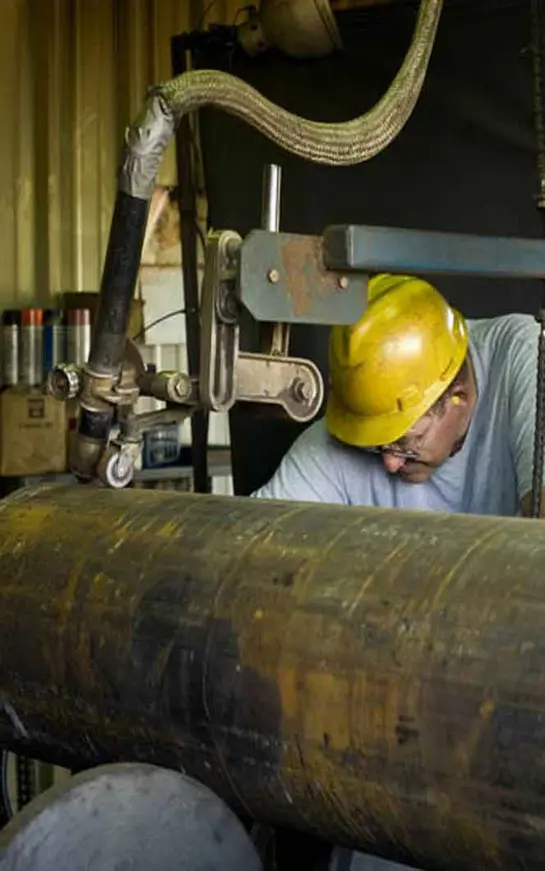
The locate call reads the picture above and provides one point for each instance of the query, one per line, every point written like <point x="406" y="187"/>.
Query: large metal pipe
<point x="376" y="677"/>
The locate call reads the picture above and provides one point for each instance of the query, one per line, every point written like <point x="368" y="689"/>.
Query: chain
<point x="539" y="435"/>
<point x="26" y="781"/>
<point x="538" y="52"/>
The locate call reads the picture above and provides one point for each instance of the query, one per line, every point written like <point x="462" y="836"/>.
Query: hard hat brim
<point x="367" y="432"/>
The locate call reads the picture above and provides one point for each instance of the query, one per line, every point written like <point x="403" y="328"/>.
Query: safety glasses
<point x="393" y="451"/>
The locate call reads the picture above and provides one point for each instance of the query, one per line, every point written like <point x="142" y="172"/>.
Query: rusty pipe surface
<point x="376" y="677"/>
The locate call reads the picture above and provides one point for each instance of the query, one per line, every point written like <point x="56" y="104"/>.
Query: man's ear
<point x="459" y="394"/>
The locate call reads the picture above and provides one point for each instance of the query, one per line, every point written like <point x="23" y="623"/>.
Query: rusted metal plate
<point x="376" y="677"/>
<point x="283" y="279"/>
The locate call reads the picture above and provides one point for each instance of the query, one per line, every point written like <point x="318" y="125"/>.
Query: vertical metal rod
<point x="278" y="338"/>
<point x="270" y="203"/>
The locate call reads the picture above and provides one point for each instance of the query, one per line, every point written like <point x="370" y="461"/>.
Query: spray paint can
<point x="54" y="339"/>
<point x="11" y="325"/>
<point x="31" y="354"/>
<point x="78" y="336"/>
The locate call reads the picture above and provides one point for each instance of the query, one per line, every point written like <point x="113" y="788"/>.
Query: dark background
<point x="465" y="162"/>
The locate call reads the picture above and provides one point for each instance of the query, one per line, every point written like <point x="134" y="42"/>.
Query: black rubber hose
<point x="116" y="293"/>
<point x="118" y="281"/>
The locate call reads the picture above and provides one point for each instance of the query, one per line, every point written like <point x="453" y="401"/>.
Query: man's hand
<point x="526" y="505"/>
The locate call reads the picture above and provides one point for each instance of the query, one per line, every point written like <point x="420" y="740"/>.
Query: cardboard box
<point x="87" y="299"/>
<point x="33" y="433"/>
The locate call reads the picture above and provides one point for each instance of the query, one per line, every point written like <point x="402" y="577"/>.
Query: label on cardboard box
<point x="32" y="433"/>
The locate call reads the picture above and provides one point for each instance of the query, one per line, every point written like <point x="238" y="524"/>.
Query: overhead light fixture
<point x="298" y="28"/>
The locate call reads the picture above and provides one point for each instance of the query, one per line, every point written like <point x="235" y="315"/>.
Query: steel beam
<point x="387" y="249"/>
<point x="375" y="677"/>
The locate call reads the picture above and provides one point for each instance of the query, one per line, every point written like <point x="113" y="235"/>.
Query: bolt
<point x="273" y="276"/>
<point x="181" y="386"/>
<point x="302" y="391"/>
<point x="342" y="281"/>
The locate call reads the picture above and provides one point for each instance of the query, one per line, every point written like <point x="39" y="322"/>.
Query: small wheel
<point x="115" y="470"/>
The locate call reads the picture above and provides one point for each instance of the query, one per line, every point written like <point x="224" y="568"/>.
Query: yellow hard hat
<point x="389" y="368"/>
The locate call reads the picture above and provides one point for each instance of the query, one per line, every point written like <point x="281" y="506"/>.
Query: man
<point x="425" y="411"/>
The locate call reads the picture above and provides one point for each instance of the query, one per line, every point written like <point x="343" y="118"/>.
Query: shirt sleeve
<point x="521" y="396"/>
<point x="309" y="472"/>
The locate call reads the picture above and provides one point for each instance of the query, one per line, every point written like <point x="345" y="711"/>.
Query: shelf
<point x="219" y="466"/>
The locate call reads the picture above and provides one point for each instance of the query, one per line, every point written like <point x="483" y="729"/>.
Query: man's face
<point x="431" y="441"/>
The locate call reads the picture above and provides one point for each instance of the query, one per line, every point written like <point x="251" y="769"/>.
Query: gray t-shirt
<point x="491" y="473"/>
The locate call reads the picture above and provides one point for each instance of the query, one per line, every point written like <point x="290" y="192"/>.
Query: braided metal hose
<point x="339" y="144"/>
<point x="336" y="144"/>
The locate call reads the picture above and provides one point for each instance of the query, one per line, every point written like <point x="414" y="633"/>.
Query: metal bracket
<point x="229" y="375"/>
<point x="219" y="322"/>
<point x="283" y="277"/>
<point x="294" y="384"/>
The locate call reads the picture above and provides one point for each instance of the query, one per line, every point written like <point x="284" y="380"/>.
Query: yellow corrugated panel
<point x="16" y="153"/>
<point x="72" y="75"/>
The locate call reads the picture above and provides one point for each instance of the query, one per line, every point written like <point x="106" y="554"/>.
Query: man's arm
<point x="526" y="505"/>
<point x="522" y="408"/>
<point x="311" y="471"/>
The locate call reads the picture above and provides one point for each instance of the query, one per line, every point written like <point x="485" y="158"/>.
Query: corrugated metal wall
<point x="72" y="74"/>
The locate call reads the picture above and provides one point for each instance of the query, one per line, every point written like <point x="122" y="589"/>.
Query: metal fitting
<point x="302" y="391"/>
<point x="227" y="306"/>
<point x="180" y="385"/>
<point x="65" y="382"/>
